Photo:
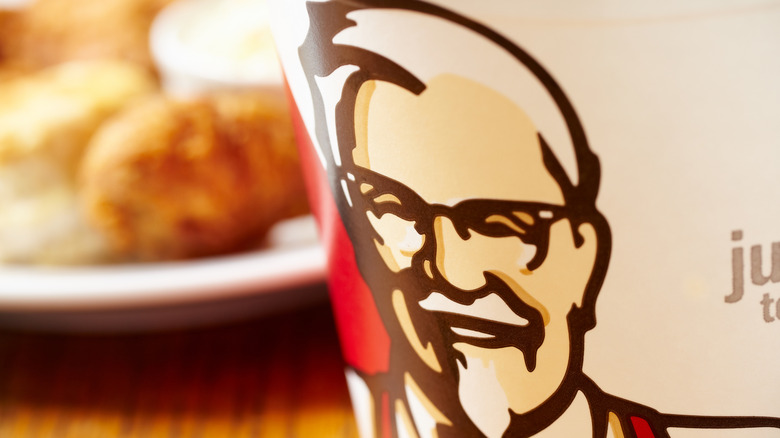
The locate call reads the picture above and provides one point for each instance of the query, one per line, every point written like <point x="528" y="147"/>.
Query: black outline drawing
<point x="320" y="57"/>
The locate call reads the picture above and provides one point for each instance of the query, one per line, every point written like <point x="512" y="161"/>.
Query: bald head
<point x="458" y="139"/>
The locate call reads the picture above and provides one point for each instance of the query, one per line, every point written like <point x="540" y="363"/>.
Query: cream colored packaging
<point x="552" y="219"/>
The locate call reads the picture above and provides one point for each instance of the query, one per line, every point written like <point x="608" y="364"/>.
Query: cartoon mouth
<point x="488" y="317"/>
<point x="492" y="317"/>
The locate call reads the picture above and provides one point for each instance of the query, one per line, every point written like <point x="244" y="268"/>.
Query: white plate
<point x="163" y="295"/>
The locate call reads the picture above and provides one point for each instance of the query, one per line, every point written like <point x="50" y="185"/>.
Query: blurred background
<point x="160" y="274"/>
<point x="140" y="130"/>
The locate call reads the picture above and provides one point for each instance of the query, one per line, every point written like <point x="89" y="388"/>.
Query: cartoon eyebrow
<point x="372" y="181"/>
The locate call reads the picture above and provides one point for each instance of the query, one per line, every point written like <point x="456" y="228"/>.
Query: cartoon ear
<point x="587" y="251"/>
<point x="568" y="270"/>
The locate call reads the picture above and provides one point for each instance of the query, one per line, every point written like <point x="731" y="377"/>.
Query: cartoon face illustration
<point x="487" y="252"/>
<point x="469" y="197"/>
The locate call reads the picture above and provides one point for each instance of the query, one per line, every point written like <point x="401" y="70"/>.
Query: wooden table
<point x="275" y="376"/>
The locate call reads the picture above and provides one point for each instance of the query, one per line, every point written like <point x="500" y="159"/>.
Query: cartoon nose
<point x="460" y="261"/>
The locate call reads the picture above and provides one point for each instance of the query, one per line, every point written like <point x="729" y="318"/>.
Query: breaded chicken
<point x="10" y="67"/>
<point x="172" y="179"/>
<point x="50" y="32"/>
<point x="7" y="24"/>
<point x="52" y="114"/>
<point x="46" y="119"/>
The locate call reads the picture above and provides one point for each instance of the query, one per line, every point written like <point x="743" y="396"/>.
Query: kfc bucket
<point x="546" y="218"/>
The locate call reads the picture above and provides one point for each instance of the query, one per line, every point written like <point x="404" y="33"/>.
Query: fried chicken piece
<point x="7" y="24"/>
<point x="11" y="71"/>
<point x="172" y="179"/>
<point x="46" y="119"/>
<point x="11" y="67"/>
<point x="50" y="32"/>
<point x="50" y="115"/>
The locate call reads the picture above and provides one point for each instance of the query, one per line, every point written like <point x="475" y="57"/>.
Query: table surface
<point x="275" y="376"/>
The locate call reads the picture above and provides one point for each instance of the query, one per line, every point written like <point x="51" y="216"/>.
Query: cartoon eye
<point x="498" y="225"/>
<point x="398" y="239"/>
<point x="526" y="217"/>
<point x="387" y="197"/>
<point x="388" y="203"/>
<point x="505" y="221"/>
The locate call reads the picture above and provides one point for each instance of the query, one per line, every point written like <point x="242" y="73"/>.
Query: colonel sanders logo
<point x="469" y="195"/>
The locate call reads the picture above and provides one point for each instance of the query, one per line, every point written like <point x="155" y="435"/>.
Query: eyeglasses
<point x="528" y="221"/>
